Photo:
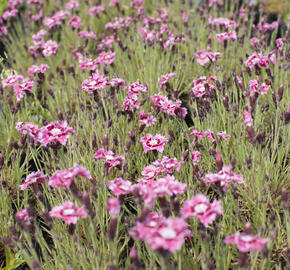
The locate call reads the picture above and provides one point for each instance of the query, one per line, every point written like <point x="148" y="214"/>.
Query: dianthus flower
<point x="35" y="177"/>
<point x="136" y="88"/>
<point x="106" y="42"/>
<point x="161" y="233"/>
<point x="256" y="86"/>
<point x="146" y="119"/>
<point x="246" y="242"/>
<point x="224" y="177"/>
<point x="222" y="135"/>
<point x="279" y="42"/>
<point x="55" y="132"/>
<point x="109" y="158"/>
<point x="209" y="134"/>
<point x="201" y="85"/>
<point x="165" y="78"/>
<point x="113" y="206"/>
<point x="232" y="35"/>
<point x="168" y="186"/>
<point x="75" y="22"/>
<point x="150" y="173"/>
<point x="199" y="134"/>
<point x="28" y="128"/>
<point x="247" y="118"/>
<point x="50" y="47"/>
<point x="61" y="15"/>
<point x="72" y="4"/>
<point x="169" y="106"/>
<point x="257" y="59"/>
<point x="120" y="187"/>
<point x="151" y="142"/>
<point x="37" y="69"/>
<point x="117" y="82"/>
<point x="136" y="3"/>
<point x="95" y="10"/>
<point x="23" y="216"/>
<point x="203" y="56"/>
<point x="195" y="157"/>
<point x="222" y="21"/>
<point x="200" y="207"/>
<point x="130" y="103"/>
<point x="87" y="63"/>
<point x="9" y="13"/>
<point x="167" y="164"/>
<point x="106" y="58"/>
<point x="68" y="212"/>
<point x="95" y="82"/>
<point x="87" y="34"/>
<point x="65" y="177"/>
<point x="51" y="21"/>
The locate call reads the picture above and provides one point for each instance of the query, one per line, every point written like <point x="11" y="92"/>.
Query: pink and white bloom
<point x="165" y="78"/>
<point x="279" y="42"/>
<point x="257" y="59"/>
<point x="195" y="157"/>
<point x="75" y="22"/>
<point x="37" y="69"/>
<point x="23" y="216"/>
<point x="113" y="206"/>
<point x="51" y="21"/>
<point x="224" y="177"/>
<point x="203" y="56"/>
<point x="146" y="119"/>
<point x="68" y="212"/>
<point x="200" y="207"/>
<point x="232" y="35"/>
<point x="49" y="48"/>
<point x="95" y="82"/>
<point x="168" y="186"/>
<point x="106" y="58"/>
<point x="150" y="173"/>
<point x="109" y="158"/>
<point x="222" y="21"/>
<point x="135" y="88"/>
<point x="87" y="34"/>
<point x="167" y="164"/>
<point x="151" y="142"/>
<point x="28" y="128"/>
<point x="55" y="132"/>
<point x="202" y="85"/>
<point x="246" y="242"/>
<point x="65" y="177"/>
<point x="223" y="136"/>
<point x="72" y="4"/>
<point x="247" y="118"/>
<point x="120" y="186"/>
<point x="35" y="177"/>
<point x="95" y="10"/>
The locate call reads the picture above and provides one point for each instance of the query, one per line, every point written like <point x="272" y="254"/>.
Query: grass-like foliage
<point x="144" y="135"/>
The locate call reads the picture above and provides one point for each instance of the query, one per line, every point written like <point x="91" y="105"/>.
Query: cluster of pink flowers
<point x="200" y="207"/>
<point x="169" y="106"/>
<point x="161" y="233"/>
<point x="106" y="58"/>
<point x="146" y="119"/>
<point x="246" y="242"/>
<point x="35" y="177"/>
<point x="224" y="177"/>
<point x="119" y="23"/>
<point x="131" y="101"/>
<point x="257" y="59"/>
<point x="68" y="212"/>
<point x="204" y="56"/>
<point x="95" y="82"/>
<point x="9" y="13"/>
<point x="95" y="10"/>
<point x="87" y="34"/>
<point x="232" y="35"/>
<point x="202" y="86"/>
<point x="56" y="19"/>
<point x="264" y="27"/>
<point x="163" y="80"/>
<point x="38" y="69"/>
<point x="167" y="164"/>
<point x="53" y="132"/>
<point x="65" y="177"/>
<point x="227" y="23"/>
<point x="109" y="158"/>
<point x="257" y="87"/>
<point x="106" y="43"/>
<point x="19" y="84"/>
<point x="120" y="186"/>
<point x="151" y="142"/>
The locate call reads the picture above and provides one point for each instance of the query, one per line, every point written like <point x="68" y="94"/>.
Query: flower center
<point x="246" y="238"/>
<point x="167" y="233"/>
<point x="55" y="131"/>
<point x="68" y="212"/>
<point x="153" y="142"/>
<point x="200" y="208"/>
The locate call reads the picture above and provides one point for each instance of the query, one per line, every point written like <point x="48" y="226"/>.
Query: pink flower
<point x="209" y="134"/>
<point x="222" y="21"/>
<point x="136" y="3"/>
<point x="50" y="47"/>
<point x="55" y="132"/>
<point x="117" y="82"/>
<point x="161" y="233"/>
<point x="9" y="13"/>
<point x="51" y="21"/>
<point x="130" y="103"/>
<point x="200" y="207"/>
<point x="75" y="22"/>
<point x="198" y="134"/>
<point x="246" y="242"/>
<point x="87" y="34"/>
<point x="114" y="2"/>
<point x="151" y="142"/>
<point x="23" y="216"/>
<point x="232" y="35"/>
<point x="223" y="136"/>
<point x="72" y="4"/>
<point x="113" y="206"/>
<point x="106" y="42"/>
<point x="37" y="69"/>
<point x="257" y="59"/>
<point x="165" y="78"/>
<point x="120" y="187"/>
<point x="135" y="88"/>
<point x="201" y="85"/>
<point x="224" y="177"/>
<point x="68" y="212"/>
<point x="146" y="119"/>
<point x="35" y="177"/>
<point x="95" y="10"/>
<point x="254" y="41"/>
<point x="168" y="164"/>
<point x="65" y="177"/>
<point x="150" y="173"/>
<point x="195" y="157"/>
<point x="248" y="120"/>
<point x="28" y="128"/>
<point x="87" y="63"/>
<point x="203" y="56"/>
<point x="106" y="58"/>
<point x="109" y="158"/>
<point x="168" y="186"/>
<point x="279" y="42"/>
<point x="95" y="82"/>
<point x="61" y="15"/>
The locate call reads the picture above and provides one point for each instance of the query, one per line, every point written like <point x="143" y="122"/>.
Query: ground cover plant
<point x="144" y="135"/>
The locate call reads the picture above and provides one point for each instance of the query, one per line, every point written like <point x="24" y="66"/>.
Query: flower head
<point x="120" y="187"/>
<point x="113" y="206"/>
<point x="35" y="177"/>
<point x="151" y="142"/>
